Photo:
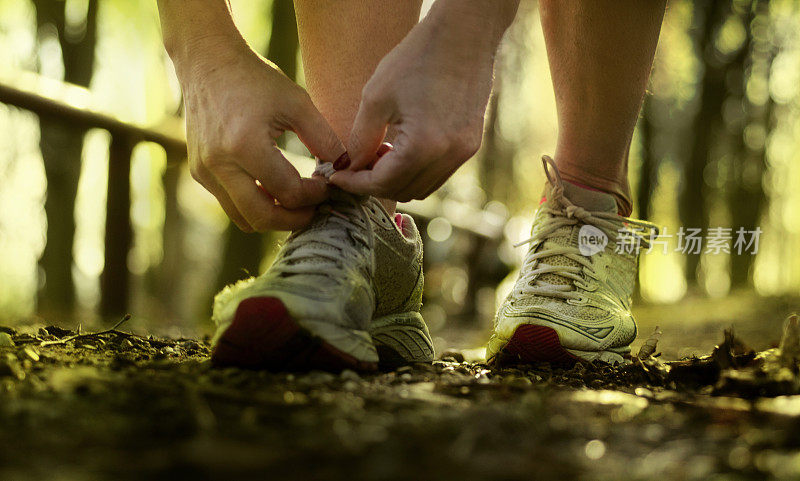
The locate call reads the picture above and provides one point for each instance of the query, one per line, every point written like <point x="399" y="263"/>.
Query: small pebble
<point x="11" y="367"/>
<point x="349" y="375"/>
<point x="520" y="382"/>
<point x="452" y="355"/>
<point x="316" y="377"/>
<point x="422" y="367"/>
<point x="576" y="383"/>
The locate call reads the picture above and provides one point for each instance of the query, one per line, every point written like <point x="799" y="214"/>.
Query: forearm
<point x="193" y="27"/>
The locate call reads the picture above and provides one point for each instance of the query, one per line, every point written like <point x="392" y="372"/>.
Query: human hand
<point x="237" y="104"/>
<point x="432" y="89"/>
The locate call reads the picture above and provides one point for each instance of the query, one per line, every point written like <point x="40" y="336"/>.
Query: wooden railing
<point x="75" y="105"/>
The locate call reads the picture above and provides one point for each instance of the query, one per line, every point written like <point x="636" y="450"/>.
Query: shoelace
<point x="337" y="236"/>
<point x="324" y="169"/>
<point x="568" y="214"/>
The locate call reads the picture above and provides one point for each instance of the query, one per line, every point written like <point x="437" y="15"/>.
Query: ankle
<point x="619" y="190"/>
<point x="597" y="165"/>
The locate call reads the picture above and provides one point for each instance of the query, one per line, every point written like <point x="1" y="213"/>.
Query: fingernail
<point x="385" y="148"/>
<point x="342" y="162"/>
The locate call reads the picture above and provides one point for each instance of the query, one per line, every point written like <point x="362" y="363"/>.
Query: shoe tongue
<point x="402" y="221"/>
<point x="320" y="232"/>
<point x="589" y="199"/>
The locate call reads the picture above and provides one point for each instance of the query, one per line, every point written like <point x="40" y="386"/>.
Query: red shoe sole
<point x="536" y="344"/>
<point x="263" y="335"/>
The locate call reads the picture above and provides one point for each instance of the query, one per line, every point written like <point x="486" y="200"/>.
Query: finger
<point x="230" y="209"/>
<point x="383" y="149"/>
<point x="426" y="181"/>
<point x="436" y="186"/>
<point x="391" y="173"/>
<point x="369" y="130"/>
<point x="207" y="180"/>
<point x="316" y="133"/>
<point x="421" y="187"/>
<point x="438" y="179"/>
<point x="280" y="178"/>
<point x="258" y="208"/>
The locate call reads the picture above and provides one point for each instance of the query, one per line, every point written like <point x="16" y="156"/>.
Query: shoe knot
<point x="576" y="212"/>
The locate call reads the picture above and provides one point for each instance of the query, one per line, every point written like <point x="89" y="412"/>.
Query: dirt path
<point x="118" y="406"/>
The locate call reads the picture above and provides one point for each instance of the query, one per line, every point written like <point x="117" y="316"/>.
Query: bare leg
<point x="342" y="43"/>
<point x="600" y="54"/>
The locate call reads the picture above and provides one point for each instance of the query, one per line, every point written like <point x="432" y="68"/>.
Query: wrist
<point x="196" y="32"/>
<point x="481" y="22"/>
<point x="196" y="58"/>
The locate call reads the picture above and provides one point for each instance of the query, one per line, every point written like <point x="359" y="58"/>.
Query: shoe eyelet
<point x="580" y="301"/>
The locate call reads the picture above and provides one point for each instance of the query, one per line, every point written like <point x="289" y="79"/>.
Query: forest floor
<point x="116" y="405"/>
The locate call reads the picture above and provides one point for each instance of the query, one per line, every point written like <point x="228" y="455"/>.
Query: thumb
<point x="369" y="130"/>
<point x="316" y="133"/>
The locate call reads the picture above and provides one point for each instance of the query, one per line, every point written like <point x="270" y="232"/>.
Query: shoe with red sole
<point x="572" y="299"/>
<point x="344" y="293"/>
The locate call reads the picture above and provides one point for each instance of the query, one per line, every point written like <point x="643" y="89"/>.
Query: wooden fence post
<point x="114" y="282"/>
<point x="169" y="272"/>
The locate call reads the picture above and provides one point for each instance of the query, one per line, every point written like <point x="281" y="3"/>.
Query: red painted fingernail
<point x="258" y="183"/>
<point x="342" y="162"/>
<point x="385" y="148"/>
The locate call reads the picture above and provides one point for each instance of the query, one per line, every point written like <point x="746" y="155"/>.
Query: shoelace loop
<point x="334" y="237"/>
<point x="568" y="214"/>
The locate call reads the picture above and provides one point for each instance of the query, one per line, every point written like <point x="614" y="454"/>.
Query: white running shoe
<point x="397" y="329"/>
<point x="572" y="299"/>
<point x="353" y="275"/>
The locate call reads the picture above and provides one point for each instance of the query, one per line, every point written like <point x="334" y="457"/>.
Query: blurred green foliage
<point x="716" y="146"/>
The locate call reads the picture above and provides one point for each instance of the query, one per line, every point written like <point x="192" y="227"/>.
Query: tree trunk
<point x="746" y="195"/>
<point x="705" y="126"/>
<point x="649" y="167"/>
